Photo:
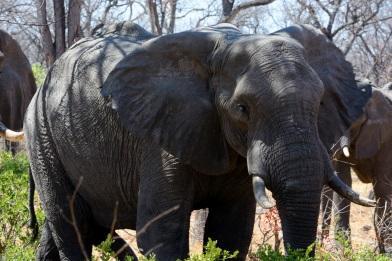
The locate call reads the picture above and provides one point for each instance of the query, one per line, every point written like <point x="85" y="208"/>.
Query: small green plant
<point x="39" y="73"/>
<point x="266" y="252"/>
<point x="105" y="252"/>
<point x="105" y="249"/>
<point x="213" y="253"/>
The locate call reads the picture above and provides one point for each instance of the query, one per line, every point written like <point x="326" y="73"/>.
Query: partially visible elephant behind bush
<point x="137" y="131"/>
<point x="17" y="87"/>
<point x="366" y="147"/>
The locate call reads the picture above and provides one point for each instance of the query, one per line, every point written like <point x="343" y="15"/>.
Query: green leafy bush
<point x="15" y="238"/>
<point x="213" y="253"/>
<point x="346" y="253"/>
<point x="266" y="252"/>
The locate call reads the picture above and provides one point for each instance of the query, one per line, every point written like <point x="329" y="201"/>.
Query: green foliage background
<point x="39" y="73"/>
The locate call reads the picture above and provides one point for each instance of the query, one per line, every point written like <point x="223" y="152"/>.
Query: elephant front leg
<point x="230" y="219"/>
<point x="383" y="215"/>
<point x="383" y="225"/>
<point x="163" y="213"/>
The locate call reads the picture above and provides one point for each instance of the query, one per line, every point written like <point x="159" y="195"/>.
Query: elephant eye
<point x="243" y="109"/>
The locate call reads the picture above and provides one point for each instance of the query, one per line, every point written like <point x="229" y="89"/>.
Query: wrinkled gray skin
<point x="147" y="131"/>
<point x="369" y="140"/>
<point x="17" y="85"/>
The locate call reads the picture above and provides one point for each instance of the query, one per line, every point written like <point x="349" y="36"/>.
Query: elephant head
<point x="17" y="87"/>
<point x="213" y="95"/>
<point x="365" y="137"/>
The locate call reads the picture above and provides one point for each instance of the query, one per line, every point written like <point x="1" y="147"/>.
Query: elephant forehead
<point x="380" y="105"/>
<point x="267" y="47"/>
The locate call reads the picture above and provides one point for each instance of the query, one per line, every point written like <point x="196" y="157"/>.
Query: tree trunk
<point x="153" y="16"/>
<point x="227" y="7"/>
<point x="173" y="8"/>
<point x="73" y="20"/>
<point x="46" y="36"/>
<point x="59" y="27"/>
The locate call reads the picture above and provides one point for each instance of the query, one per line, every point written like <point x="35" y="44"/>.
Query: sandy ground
<point x="266" y="223"/>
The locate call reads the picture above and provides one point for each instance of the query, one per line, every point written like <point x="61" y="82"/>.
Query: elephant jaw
<point x="14" y="136"/>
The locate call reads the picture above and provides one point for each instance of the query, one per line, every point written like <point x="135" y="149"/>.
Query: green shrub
<point x="15" y="238"/>
<point x="266" y="252"/>
<point x="213" y="253"/>
<point x="346" y="253"/>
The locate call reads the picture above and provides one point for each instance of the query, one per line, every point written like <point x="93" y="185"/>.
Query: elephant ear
<point x="343" y="100"/>
<point x="161" y="93"/>
<point x="376" y="129"/>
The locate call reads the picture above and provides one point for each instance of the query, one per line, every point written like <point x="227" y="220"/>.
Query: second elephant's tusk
<point x="345" y="191"/>
<point x="15" y="136"/>
<point x="346" y="152"/>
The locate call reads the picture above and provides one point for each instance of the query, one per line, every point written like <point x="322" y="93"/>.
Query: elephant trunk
<point x="10" y="135"/>
<point x="299" y="217"/>
<point x="293" y="170"/>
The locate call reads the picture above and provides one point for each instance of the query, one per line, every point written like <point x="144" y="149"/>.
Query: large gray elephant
<point x="137" y="131"/>
<point x="17" y="87"/>
<point x="367" y="148"/>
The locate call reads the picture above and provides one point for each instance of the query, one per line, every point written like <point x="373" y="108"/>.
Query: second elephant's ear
<point x="375" y="130"/>
<point x="343" y="100"/>
<point x="161" y="93"/>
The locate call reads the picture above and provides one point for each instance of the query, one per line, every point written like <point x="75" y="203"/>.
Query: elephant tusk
<point x="345" y="143"/>
<point x="346" y="152"/>
<point x="15" y="136"/>
<point x="345" y="191"/>
<point x="260" y="193"/>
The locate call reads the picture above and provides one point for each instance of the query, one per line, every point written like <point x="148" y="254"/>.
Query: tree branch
<point x="228" y="17"/>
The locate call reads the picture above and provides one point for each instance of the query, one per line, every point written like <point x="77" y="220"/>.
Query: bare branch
<point x="228" y="17"/>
